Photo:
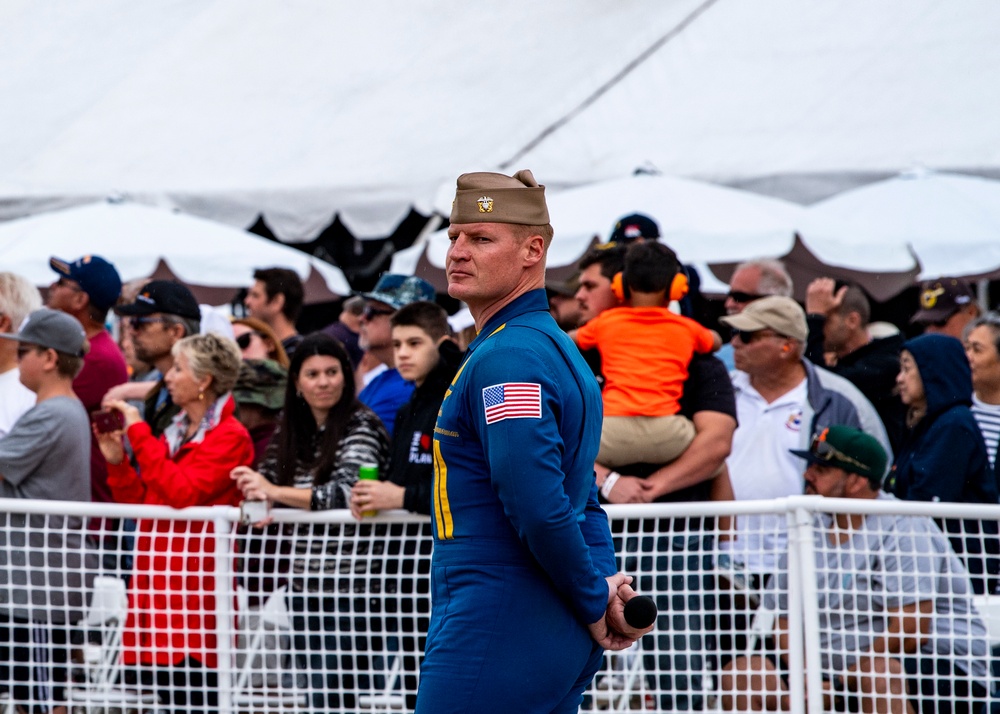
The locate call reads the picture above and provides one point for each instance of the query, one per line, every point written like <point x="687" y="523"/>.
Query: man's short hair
<point x="855" y="300"/>
<point x="18" y="298"/>
<point x="610" y="256"/>
<point x="428" y="316"/>
<point x="282" y="281"/>
<point x="774" y="279"/>
<point x="649" y="267"/>
<point x="523" y="232"/>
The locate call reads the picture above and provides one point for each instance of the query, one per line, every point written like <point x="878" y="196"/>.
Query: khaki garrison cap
<point x="495" y="198"/>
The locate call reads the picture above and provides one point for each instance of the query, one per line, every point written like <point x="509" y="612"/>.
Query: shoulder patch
<point x="512" y="400"/>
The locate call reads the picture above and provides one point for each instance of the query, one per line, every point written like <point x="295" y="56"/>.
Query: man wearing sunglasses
<point x="782" y="399"/>
<point x="751" y="281"/>
<point x="164" y="312"/>
<point x="86" y="289"/>
<point x="387" y="391"/>
<point x="895" y="608"/>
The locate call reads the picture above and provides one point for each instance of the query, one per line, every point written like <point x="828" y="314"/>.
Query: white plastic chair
<point x="255" y="627"/>
<point x="388" y="699"/>
<point x="104" y="689"/>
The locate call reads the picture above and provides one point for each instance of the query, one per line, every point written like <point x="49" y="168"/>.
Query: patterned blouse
<point x="315" y="547"/>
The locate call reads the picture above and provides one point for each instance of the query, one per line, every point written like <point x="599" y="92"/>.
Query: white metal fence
<point x="121" y="607"/>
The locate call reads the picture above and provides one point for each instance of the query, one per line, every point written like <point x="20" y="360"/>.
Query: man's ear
<point x="278" y="301"/>
<point x="442" y="339"/>
<point x="853" y="320"/>
<point x="534" y="248"/>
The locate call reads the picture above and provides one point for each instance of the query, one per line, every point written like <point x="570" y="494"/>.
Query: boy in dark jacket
<point x="425" y="355"/>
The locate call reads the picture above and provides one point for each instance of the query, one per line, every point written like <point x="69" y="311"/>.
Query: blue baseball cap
<point x="399" y="290"/>
<point x="96" y="277"/>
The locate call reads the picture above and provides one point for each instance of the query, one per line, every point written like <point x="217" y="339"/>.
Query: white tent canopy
<point x="213" y="259"/>
<point x="950" y="223"/>
<point x="305" y="110"/>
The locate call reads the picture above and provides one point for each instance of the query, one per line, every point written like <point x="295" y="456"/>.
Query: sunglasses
<point x="22" y="350"/>
<point x="244" y="340"/>
<point x="139" y="323"/>
<point x="823" y="451"/>
<point x="371" y="312"/>
<point x="749" y="336"/>
<point x="737" y="296"/>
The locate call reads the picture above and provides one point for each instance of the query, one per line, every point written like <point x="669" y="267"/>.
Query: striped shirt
<point x="988" y="418"/>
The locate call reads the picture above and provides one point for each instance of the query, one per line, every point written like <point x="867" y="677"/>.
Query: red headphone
<point x="678" y="287"/>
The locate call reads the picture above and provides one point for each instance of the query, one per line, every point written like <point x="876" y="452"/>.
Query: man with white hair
<point x="751" y="281"/>
<point x="18" y="298"/>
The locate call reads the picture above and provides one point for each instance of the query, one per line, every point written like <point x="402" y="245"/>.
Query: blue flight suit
<point x="521" y="546"/>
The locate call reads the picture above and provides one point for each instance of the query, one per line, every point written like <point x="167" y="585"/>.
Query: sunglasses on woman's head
<point x="244" y="340"/>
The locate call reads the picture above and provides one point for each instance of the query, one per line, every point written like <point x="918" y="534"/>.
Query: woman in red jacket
<point x="170" y="635"/>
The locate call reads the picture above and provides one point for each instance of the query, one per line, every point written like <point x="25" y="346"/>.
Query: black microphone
<point x="640" y="612"/>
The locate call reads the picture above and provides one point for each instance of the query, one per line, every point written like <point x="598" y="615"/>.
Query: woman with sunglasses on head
<point x="257" y="340"/>
<point x="943" y="455"/>
<point x="324" y="436"/>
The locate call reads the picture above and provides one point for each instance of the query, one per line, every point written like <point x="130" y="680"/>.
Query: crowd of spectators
<point x="183" y="412"/>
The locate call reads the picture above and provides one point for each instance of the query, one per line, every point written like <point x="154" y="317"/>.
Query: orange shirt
<point x="645" y="352"/>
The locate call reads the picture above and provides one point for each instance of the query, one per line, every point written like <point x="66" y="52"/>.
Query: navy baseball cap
<point x="96" y="277"/>
<point x="633" y="227"/>
<point x="166" y="296"/>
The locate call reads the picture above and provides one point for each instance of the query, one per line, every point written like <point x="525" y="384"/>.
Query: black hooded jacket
<point x="411" y="461"/>
<point x="944" y="456"/>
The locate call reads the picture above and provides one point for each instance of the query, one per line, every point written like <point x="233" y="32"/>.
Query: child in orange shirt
<point x="645" y="351"/>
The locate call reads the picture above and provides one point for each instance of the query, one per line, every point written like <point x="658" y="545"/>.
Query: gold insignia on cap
<point x="485" y="204"/>
<point x="929" y="297"/>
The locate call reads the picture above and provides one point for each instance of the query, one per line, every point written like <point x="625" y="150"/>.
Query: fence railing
<point x="153" y="609"/>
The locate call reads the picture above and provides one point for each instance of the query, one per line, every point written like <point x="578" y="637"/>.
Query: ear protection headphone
<point x="678" y="287"/>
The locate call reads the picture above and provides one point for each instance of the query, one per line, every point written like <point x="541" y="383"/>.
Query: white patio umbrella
<point x="951" y="222"/>
<point x="213" y="259"/>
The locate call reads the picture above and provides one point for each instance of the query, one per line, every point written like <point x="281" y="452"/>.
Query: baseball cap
<point x="261" y="382"/>
<point x="96" y="277"/>
<point x="53" y="329"/>
<point x="166" y="296"/>
<point x="849" y="449"/>
<point x="940" y="299"/>
<point x="566" y="288"/>
<point x="632" y="227"/>
<point x="399" y="290"/>
<point x="781" y="314"/>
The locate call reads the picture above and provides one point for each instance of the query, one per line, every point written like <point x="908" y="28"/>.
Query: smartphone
<point x="254" y="512"/>
<point x="105" y="421"/>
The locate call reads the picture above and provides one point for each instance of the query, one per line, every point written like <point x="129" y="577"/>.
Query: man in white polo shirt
<point x="782" y="400"/>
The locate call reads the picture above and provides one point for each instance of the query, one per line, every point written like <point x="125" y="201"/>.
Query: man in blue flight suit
<point x="524" y="589"/>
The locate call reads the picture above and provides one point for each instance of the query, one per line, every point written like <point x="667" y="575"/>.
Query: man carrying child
<point x="645" y="351"/>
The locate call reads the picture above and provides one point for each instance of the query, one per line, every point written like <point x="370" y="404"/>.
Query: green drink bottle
<point x="368" y="472"/>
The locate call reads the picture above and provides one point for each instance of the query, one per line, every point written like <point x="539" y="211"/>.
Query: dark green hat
<point x="261" y="382"/>
<point x="849" y="449"/>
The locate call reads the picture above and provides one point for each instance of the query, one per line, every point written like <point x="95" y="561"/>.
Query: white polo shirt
<point x="15" y="399"/>
<point x="761" y="467"/>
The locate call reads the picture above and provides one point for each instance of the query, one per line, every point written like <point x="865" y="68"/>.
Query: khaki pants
<point x="643" y="440"/>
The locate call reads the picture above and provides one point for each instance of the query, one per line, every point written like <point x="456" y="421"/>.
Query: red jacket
<point x="171" y="597"/>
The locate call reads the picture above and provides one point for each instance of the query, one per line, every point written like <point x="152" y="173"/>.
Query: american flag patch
<point x="512" y="400"/>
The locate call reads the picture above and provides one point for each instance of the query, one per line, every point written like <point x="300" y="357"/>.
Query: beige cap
<point x="495" y="198"/>
<point x="781" y="314"/>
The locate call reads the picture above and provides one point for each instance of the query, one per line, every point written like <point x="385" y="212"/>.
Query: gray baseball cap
<point x="53" y="329"/>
